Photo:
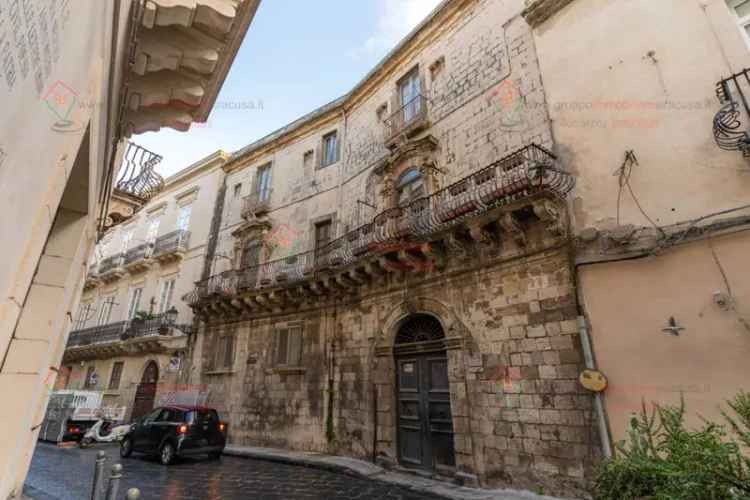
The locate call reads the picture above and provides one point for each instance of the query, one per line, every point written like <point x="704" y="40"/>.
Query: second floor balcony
<point x="410" y="119"/>
<point x="257" y="203"/>
<point x="732" y="121"/>
<point x="148" y="334"/>
<point x="492" y="203"/>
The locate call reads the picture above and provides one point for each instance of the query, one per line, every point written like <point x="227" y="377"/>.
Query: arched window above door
<point x="419" y="328"/>
<point x="410" y="186"/>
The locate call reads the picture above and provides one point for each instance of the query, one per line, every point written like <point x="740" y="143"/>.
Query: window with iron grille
<point x="288" y="346"/>
<point x="85" y="312"/>
<point x="114" y="378"/>
<point x="224" y="352"/>
<point x="165" y="297"/>
<point x="741" y="11"/>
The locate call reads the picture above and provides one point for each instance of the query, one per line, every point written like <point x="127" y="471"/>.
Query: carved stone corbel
<point x="510" y="225"/>
<point x="482" y="235"/>
<point x="551" y="215"/>
<point x="456" y="246"/>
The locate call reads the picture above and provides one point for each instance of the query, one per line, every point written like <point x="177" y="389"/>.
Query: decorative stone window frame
<point x="157" y="210"/>
<point x="187" y="197"/>
<point x="322" y="156"/>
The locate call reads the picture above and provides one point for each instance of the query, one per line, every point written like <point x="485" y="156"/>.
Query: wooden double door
<point x="425" y="424"/>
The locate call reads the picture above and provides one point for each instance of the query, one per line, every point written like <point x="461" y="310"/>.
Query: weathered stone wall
<point x="519" y="415"/>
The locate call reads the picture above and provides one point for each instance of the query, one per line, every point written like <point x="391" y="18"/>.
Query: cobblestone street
<point x="65" y="474"/>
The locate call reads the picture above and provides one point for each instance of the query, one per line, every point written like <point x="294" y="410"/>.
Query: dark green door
<point x="425" y="426"/>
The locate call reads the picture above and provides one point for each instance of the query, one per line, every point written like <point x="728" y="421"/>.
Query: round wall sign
<point x="593" y="380"/>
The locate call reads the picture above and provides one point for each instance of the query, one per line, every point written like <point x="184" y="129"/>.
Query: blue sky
<point x="297" y="56"/>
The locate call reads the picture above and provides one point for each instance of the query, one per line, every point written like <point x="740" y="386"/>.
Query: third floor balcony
<point x="171" y="246"/>
<point x="257" y="203"/>
<point x="138" y="259"/>
<point x="407" y="121"/>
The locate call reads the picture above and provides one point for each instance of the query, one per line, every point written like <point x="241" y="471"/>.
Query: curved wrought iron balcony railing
<point x="140" y="252"/>
<point x="256" y="203"/>
<point x="520" y="175"/>
<point x="407" y="115"/>
<point x="729" y="131"/>
<point x="137" y="176"/>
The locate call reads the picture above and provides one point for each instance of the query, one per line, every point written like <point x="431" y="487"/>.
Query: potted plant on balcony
<point x="169" y="320"/>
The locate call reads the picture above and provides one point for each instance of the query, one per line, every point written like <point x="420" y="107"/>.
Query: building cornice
<point x="538" y="11"/>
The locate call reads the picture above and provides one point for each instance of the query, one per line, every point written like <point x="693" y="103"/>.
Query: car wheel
<point x="166" y="454"/>
<point x="126" y="447"/>
<point x="85" y="442"/>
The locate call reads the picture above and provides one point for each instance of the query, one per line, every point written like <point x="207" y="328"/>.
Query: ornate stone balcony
<point x="138" y="259"/>
<point x="171" y="246"/>
<point x="92" y="277"/>
<point x="485" y="207"/>
<point x="407" y="121"/>
<point x="181" y="51"/>
<point x="256" y="204"/>
<point x="152" y="335"/>
<point x="112" y="268"/>
<point x="731" y="122"/>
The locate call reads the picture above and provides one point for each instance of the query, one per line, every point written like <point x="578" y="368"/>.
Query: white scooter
<point x="103" y="432"/>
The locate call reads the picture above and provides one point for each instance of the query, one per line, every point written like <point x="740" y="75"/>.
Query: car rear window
<point x="202" y="417"/>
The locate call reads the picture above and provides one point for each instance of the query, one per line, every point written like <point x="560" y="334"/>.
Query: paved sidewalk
<point x="372" y="471"/>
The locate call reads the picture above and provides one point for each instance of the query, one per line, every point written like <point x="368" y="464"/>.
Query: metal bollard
<point x="133" y="494"/>
<point x="101" y="457"/>
<point x="114" y="482"/>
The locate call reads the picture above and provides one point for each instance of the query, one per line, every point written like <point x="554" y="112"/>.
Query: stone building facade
<point x="390" y="275"/>
<point x="129" y="335"/>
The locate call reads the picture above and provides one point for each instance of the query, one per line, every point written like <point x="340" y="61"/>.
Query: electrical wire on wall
<point x="623" y="173"/>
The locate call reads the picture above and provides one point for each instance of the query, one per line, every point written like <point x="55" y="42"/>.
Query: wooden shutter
<point x="295" y="346"/>
<point x="282" y="347"/>
<point x="228" y="351"/>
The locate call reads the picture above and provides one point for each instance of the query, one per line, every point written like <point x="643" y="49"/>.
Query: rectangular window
<point x="224" y="353"/>
<point x="153" y="229"/>
<point x="114" y="378"/>
<point x="183" y="218"/>
<point x="68" y="371"/>
<point x="90" y="381"/>
<point x="237" y="190"/>
<point x="135" y="302"/>
<point x="263" y="182"/>
<point x="288" y="347"/>
<point x="165" y="297"/>
<point x="741" y="10"/>
<point x="105" y="310"/>
<point x="409" y="89"/>
<point x="85" y="311"/>
<point x="330" y="149"/>
<point x="323" y="233"/>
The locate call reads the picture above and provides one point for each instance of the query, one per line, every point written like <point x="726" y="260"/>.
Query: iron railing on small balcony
<point x="527" y="172"/>
<point x="410" y="113"/>
<point x="176" y="241"/>
<point x="140" y="252"/>
<point x="732" y="120"/>
<point x="92" y="272"/>
<point x="111" y="263"/>
<point x="256" y="203"/>
<point x="122" y="330"/>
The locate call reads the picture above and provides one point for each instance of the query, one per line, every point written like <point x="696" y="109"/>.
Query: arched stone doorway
<point x="145" y="393"/>
<point x="424" y="420"/>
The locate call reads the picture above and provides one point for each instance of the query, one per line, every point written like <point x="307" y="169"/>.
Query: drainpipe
<point x="601" y="420"/>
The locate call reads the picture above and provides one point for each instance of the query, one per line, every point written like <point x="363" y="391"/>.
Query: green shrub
<point x="664" y="460"/>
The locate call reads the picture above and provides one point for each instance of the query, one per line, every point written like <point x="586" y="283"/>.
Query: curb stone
<point x="368" y="470"/>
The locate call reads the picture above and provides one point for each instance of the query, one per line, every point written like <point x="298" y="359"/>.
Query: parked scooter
<point x="104" y="432"/>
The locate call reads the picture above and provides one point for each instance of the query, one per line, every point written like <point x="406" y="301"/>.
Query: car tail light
<point x="182" y="429"/>
<point x="73" y="430"/>
<point x="222" y="426"/>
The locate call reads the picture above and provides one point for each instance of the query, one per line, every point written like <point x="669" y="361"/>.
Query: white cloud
<point x="396" y="19"/>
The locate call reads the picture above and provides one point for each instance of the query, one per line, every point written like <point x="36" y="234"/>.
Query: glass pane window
<point x="85" y="311"/>
<point x="263" y="182"/>
<point x="105" y="310"/>
<point x="165" y="297"/>
<point x="135" y="302"/>
<point x="127" y="236"/>
<point x="183" y="218"/>
<point x="153" y="230"/>
<point x="741" y="7"/>
<point x="330" y="149"/>
<point x="410" y="186"/>
<point x="288" y="348"/>
<point x="409" y="90"/>
<point x="322" y="234"/>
